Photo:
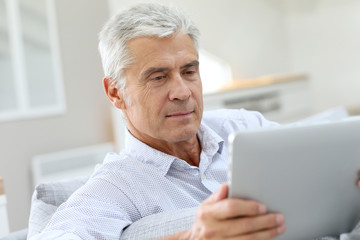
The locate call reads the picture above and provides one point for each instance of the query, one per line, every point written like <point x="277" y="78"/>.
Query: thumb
<point x="218" y="195"/>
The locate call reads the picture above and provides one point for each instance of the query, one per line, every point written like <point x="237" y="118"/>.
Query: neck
<point x="188" y="150"/>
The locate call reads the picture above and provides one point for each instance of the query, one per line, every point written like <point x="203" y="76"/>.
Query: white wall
<point x="324" y="37"/>
<point x="87" y="120"/>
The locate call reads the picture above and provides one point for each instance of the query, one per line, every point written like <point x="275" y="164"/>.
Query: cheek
<point x="155" y="98"/>
<point x="197" y="92"/>
<point x="140" y="97"/>
<point x="150" y="105"/>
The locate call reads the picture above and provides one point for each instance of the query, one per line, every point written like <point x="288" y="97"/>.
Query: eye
<point x="157" y="76"/>
<point x="189" y="72"/>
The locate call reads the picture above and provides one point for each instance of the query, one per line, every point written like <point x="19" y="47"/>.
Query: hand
<point x="219" y="217"/>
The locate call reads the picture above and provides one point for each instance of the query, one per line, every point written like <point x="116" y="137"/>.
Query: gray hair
<point x="144" y="20"/>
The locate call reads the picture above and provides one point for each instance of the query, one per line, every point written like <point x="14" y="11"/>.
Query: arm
<point x="219" y="217"/>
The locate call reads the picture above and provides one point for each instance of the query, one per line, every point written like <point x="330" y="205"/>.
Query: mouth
<point x="180" y="114"/>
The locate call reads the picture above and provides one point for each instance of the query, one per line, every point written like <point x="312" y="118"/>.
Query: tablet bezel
<point x="300" y="171"/>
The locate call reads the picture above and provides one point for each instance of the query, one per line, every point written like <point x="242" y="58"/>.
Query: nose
<point x="179" y="90"/>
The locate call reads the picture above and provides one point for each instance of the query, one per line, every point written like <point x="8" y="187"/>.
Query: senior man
<point x="174" y="157"/>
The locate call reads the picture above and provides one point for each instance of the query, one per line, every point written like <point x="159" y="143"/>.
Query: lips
<point x="180" y="114"/>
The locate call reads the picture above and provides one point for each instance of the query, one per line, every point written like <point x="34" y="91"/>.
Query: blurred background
<point x="289" y="59"/>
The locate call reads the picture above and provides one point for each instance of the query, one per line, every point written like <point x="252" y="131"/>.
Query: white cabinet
<point x="283" y="99"/>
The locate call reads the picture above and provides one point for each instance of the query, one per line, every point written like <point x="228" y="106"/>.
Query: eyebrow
<point x="161" y="69"/>
<point x="191" y="64"/>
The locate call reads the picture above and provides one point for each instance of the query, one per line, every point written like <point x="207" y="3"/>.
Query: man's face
<point x="164" y="89"/>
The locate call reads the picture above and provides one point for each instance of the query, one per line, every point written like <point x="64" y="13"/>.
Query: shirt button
<point x="181" y="164"/>
<point x="203" y="176"/>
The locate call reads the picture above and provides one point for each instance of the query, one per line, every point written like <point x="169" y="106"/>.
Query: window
<point x="215" y="73"/>
<point x="30" y="77"/>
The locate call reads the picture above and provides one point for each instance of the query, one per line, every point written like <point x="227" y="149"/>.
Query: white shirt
<point x="141" y="181"/>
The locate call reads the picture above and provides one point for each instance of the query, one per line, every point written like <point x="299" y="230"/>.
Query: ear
<point x="114" y="94"/>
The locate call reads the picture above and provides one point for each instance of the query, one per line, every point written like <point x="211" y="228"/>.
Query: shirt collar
<point x="148" y="155"/>
<point x="211" y="143"/>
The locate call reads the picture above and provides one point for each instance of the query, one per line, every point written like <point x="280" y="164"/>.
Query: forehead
<point x="147" y="50"/>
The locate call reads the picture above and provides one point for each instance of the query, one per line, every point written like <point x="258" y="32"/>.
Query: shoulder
<point x="122" y="170"/>
<point x="113" y="185"/>
<point x="126" y="173"/>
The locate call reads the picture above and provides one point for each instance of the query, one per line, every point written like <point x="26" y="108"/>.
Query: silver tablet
<point x="307" y="173"/>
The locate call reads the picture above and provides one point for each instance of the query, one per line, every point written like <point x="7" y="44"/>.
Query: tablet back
<point x="307" y="173"/>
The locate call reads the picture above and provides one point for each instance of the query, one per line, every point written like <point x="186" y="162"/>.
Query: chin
<point x="184" y="135"/>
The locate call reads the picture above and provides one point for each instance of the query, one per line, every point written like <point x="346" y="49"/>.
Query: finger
<point x="239" y="226"/>
<point x="264" y="235"/>
<point x="232" y="208"/>
<point x="218" y="195"/>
